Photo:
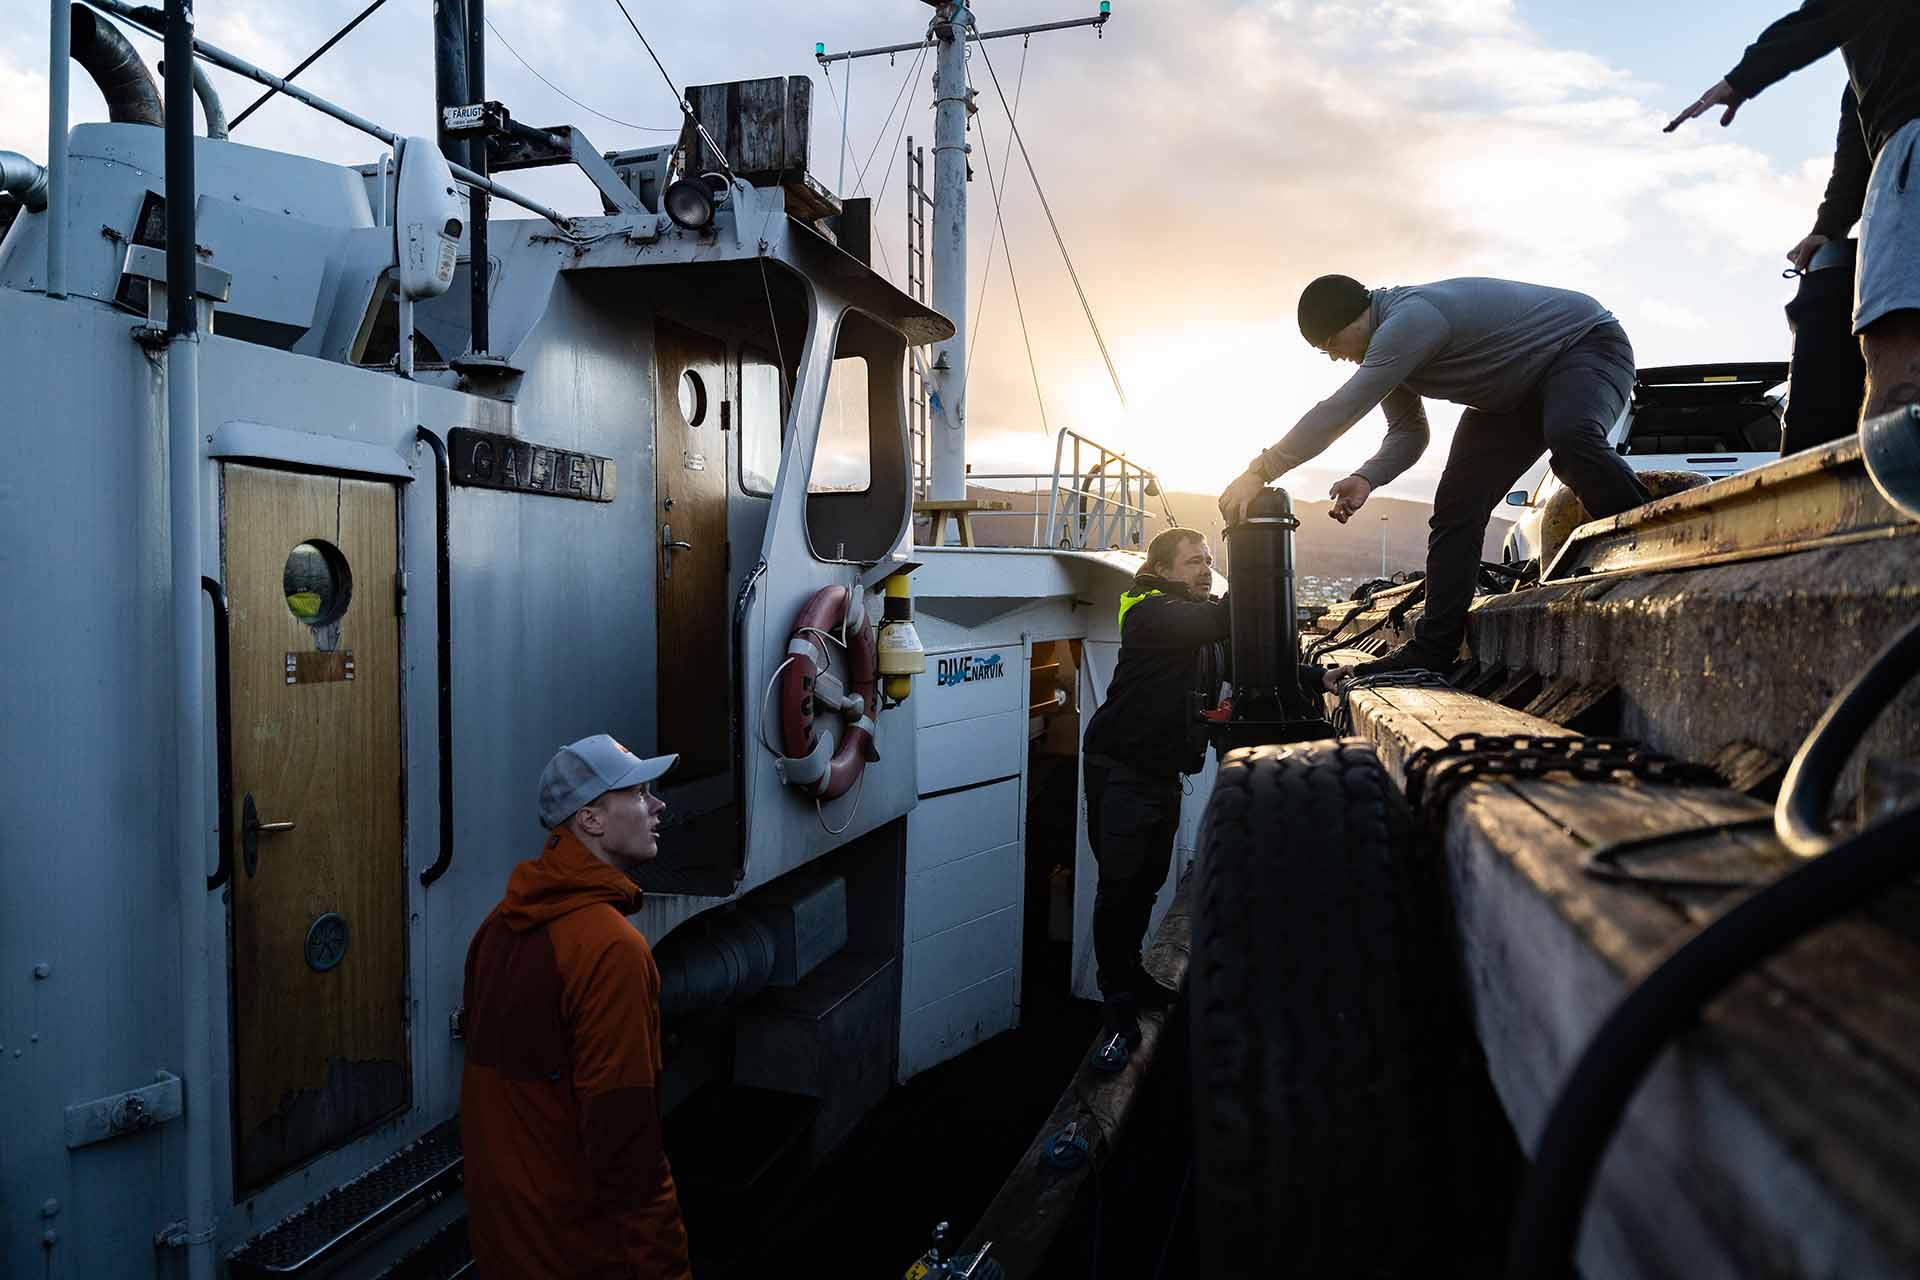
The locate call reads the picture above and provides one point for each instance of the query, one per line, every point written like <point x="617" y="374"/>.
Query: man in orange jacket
<point x="566" y="1176"/>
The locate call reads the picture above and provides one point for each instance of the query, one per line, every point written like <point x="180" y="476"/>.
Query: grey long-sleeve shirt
<point x="1475" y="341"/>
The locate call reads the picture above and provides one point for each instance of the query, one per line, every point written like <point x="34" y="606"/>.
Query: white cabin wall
<point x="966" y="855"/>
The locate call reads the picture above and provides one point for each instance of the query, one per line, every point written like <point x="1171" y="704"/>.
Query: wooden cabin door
<point x="319" y="901"/>
<point x="691" y="410"/>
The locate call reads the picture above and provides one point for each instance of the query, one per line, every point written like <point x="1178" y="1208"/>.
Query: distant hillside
<point x="1322" y="547"/>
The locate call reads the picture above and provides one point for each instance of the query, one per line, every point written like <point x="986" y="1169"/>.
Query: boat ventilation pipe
<point x="24" y="180"/>
<point x="720" y="959"/>
<point x="129" y="88"/>
<point x="210" y="104"/>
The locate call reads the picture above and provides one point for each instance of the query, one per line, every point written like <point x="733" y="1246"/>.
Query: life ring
<point x="812" y="761"/>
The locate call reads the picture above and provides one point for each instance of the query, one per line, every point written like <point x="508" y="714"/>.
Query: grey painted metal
<point x="188" y="628"/>
<point x="121" y="1114"/>
<point x="210" y="107"/>
<point x="240" y="66"/>
<point x="23" y="180"/>
<point x="241" y="439"/>
<point x="149" y="263"/>
<point x="953" y="104"/>
<point x="59" y="73"/>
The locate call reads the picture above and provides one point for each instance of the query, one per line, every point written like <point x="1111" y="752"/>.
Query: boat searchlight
<point x="690" y="202"/>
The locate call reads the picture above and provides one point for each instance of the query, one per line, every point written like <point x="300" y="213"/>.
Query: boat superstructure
<point x="326" y="553"/>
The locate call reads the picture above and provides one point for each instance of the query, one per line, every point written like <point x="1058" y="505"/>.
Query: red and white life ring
<point x="812" y="761"/>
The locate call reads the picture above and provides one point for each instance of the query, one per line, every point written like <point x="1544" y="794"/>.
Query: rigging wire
<point x="686" y="108"/>
<point x="893" y="157"/>
<point x="626" y="124"/>
<point x="842" y="108"/>
<point x="998" y="188"/>
<point x="1046" y="207"/>
<point x="1000" y="232"/>
<point x="912" y="70"/>
<point x="1020" y="309"/>
<point x="310" y="59"/>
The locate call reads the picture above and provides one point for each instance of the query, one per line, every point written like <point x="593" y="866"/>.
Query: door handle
<point x="667" y="547"/>
<point x="250" y="830"/>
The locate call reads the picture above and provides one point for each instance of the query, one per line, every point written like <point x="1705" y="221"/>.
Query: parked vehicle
<point x="1712" y="419"/>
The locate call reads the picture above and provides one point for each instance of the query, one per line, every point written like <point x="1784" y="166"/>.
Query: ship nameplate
<point x="488" y="460"/>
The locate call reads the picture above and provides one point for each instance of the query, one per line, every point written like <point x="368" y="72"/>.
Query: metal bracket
<point x="125" y="1113"/>
<point x="521" y="147"/>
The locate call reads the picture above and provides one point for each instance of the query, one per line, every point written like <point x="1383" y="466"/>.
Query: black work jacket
<point x="1880" y="40"/>
<point x="1172" y="646"/>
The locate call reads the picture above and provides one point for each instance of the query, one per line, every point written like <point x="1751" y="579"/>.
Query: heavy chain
<point x="1436" y="774"/>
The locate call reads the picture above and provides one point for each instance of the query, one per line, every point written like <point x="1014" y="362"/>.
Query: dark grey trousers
<point x="1132" y="818"/>
<point x="1568" y="414"/>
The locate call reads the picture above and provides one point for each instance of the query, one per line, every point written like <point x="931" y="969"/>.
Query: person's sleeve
<point x="1169" y="623"/>
<point x="1408" y="338"/>
<point x="1800" y="39"/>
<point x="1847" y="186"/>
<point x="613" y="1011"/>
<point x="1406" y="438"/>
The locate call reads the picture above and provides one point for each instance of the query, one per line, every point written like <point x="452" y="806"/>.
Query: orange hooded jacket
<point x="566" y="1177"/>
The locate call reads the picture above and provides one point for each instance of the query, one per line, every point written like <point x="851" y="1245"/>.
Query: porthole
<point x="693" y="398"/>
<point x="317" y="583"/>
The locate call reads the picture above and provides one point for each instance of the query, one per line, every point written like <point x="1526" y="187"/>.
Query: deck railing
<point x="1095" y="498"/>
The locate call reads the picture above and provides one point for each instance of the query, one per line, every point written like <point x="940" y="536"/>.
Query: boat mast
<point x="950" y="31"/>
<point x="953" y="105"/>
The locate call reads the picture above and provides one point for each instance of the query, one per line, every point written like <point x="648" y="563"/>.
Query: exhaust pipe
<point x="129" y="88"/>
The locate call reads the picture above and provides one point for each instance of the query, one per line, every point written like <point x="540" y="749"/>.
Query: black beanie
<point x="1329" y="305"/>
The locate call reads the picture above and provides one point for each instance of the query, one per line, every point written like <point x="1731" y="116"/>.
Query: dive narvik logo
<point x="971" y="667"/>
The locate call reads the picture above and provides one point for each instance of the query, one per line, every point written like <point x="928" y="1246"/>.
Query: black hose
<point x="1800" y="815"/>
<point x="1842" y="877"/>
<point x="124" y="81"/>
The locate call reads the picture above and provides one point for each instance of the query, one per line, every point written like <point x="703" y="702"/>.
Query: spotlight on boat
<point x="689" y="202"/>
<point x="1891" y="445"/>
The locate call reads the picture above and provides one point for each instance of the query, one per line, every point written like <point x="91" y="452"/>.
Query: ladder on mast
<point x="918" y="203"/>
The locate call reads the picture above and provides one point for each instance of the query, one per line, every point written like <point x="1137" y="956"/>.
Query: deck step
<point x="446" y="1255"/>
<point x="410" y="1180"/>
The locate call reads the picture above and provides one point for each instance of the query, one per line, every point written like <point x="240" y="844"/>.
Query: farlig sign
<point x="971" y="667"/>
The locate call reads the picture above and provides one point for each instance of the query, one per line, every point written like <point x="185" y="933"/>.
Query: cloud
<point x="1204" y="159"/>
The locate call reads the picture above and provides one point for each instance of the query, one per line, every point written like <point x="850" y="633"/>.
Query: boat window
<point x="843" y="460"/>
<point x="316" y="583"/>
<point x="763" y="415"/>
<point x="857" y="491"/>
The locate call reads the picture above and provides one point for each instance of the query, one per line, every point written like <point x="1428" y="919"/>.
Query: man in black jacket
<point x="1144" y="736"/>
<point x="1880" y="41"/>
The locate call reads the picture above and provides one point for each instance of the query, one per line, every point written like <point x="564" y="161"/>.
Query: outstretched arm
<point x="1803" y="37"/>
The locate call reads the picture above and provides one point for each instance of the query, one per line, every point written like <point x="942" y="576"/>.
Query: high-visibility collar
<point x="1128" y="599"/>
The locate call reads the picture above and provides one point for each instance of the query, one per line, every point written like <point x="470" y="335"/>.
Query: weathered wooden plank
<point x="1779" y="1138"/>
<point x="1037" y="1199"/>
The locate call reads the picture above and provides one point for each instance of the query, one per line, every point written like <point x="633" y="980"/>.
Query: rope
<point x="686" y="108"/>
<point x="625" y="124"/>
<point x="1047" y="207"/>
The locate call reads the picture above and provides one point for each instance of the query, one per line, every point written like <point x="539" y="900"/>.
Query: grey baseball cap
<point x="581" y="772"/>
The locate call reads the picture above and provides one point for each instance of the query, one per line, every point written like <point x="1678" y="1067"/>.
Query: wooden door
<point x="319" y="902"/>
<point x="690" y="492"/>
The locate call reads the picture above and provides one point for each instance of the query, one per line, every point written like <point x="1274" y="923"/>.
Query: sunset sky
<point x="1205" y="159"/>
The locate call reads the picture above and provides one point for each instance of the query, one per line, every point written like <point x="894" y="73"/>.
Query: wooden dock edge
<point x="1781" y="1136"/>
<point x="1037" y="1200"/>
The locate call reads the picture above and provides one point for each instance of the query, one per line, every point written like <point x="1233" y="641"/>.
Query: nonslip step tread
<point x="422" y="1171"/>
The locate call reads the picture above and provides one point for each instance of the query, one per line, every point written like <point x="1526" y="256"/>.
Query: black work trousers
<point x="1568" y="413"/>
<point x="1132" y="818"/>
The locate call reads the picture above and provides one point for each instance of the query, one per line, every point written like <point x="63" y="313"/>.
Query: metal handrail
<point x="1111" y="492"/>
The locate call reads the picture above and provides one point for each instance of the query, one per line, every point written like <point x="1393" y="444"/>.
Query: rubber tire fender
<point x="1318" y="1022"/>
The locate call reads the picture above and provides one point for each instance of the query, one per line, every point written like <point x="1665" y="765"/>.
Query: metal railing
<point x="1095" y="498"/>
